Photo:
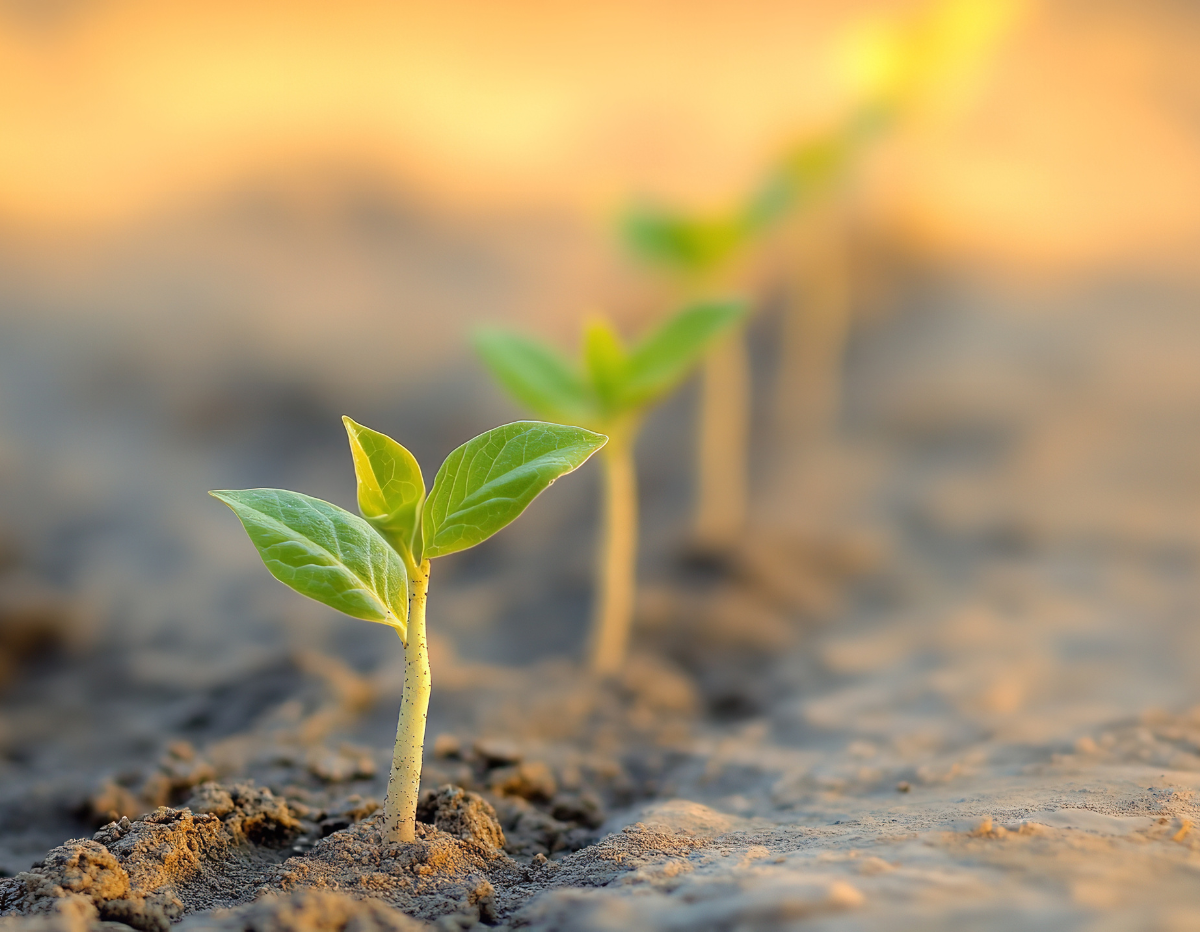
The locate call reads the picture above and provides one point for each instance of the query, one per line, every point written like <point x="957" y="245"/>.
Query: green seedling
<point x="703" y="253"/>
<point x="610" y="391"/>
<point x="898" y="70"/>
<point x="698" y="249"/>
<point x="897" y="67"/>
<point x="377" y="569"/>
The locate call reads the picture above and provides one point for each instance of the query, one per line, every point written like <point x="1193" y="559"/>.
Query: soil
<point x="946" y="682"/>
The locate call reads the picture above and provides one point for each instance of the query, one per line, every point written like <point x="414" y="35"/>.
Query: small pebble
<point x="497" y="752"/>
<point x="447" y="746"/>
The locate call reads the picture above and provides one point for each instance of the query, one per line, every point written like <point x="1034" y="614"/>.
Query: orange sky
<point x="118" y="103"/>
<point x="1079" y="148"/>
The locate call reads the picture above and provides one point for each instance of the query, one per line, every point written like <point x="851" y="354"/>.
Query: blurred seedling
<point x="611" y="390"/>
<point x="893" y="68"/>
<point x="377" y="569"/>
<point x="898" y="72"/>
<point x="932" y="60"/>
<point x="705" y="254"/>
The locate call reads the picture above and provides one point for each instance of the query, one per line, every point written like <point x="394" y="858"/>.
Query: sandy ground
<point x="945" y="683"/>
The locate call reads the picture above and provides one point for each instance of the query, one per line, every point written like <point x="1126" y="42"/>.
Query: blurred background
<point x="223" y="225"/>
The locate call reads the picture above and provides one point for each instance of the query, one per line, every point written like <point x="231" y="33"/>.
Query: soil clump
<point x="149" y="872"/>
<point x="306" y="911"/>
<point x="230" y="860"/>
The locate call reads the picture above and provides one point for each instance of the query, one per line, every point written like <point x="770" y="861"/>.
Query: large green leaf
<point x="537" y="376"/>
<point x="325" y="553"/>
<point x="390" y="487"/>
<point x="665" y="357"/>
<point x="489" y="480"/>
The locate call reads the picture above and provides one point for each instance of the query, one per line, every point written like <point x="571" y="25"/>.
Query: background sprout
<point x="365" y="568"/>
<point x="699" y="252"/>
<point x="800" y="194"/>
<point x="705" y="253"/>
<point x="896" y="66"/>
<point x="610" y="391"/>
<point x="930" y="58"/>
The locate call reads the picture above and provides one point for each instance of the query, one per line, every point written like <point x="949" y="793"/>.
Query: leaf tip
<point x="225" y="497"/>
<point x="488" y="341"/>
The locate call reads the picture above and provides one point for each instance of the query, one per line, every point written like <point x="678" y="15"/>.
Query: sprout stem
<point x="815" y="328"/>
<point x="618" y="558"/>
<point x="404" y="784"/>
<point x="723" y="440"/>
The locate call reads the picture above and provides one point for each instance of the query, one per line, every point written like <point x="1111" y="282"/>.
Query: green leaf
<point x="390" y="488"/>
<point x="686" y="245"/>
<point x="810" y="169"/>
<point x="770" y="202"/>
<point x="489" y="480"/>
<point x="818" y="162"/>
<point x="606" y="361"/>
<point x="325" y="553"/>
<point x="664" y="358"/>
<point x="537" y="376"/>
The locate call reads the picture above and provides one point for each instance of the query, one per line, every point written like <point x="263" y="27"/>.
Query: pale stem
<point x="723" y="441"/>
<point x="617" y="567"/>
<point x="404" y="784"/>
<point x="815" y="326"/>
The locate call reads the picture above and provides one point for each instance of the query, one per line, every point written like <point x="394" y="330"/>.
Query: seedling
<point x="896" y="66"/>
<point x="377" y="569"/>
<point x="610" y="391"/>
<point x="702" y="253"/>
<point x="699" y="248"/>
<point x="931" y="59"/>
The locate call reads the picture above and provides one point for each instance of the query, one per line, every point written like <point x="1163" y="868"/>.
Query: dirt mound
<point x="438" y="875"/>
<point x="147" y="873"/>
<point x="241" y="843"/>
<point x="81" y="882"/>
<point x="35" y="621"/>
<point x="71" y="915"/>
<point x="249" y="813"/>
<point x="306" y="911"/>
<point x="229" y="846"/>
<point x="466" y="816"/>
